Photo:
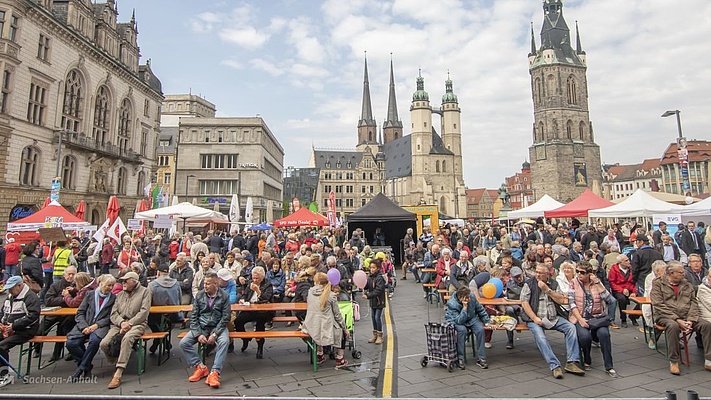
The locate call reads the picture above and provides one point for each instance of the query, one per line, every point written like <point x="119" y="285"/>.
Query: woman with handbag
<point x="587" y="300"/>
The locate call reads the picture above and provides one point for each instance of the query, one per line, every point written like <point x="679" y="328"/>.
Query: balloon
<point x="499" y="285"/>
<point x="360" y="279"/>
<point x="334" y="276"/>
<point x="488" y="290"/>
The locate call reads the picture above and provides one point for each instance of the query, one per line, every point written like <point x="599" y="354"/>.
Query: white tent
<point x="183" y="210"/>
<point x="640" y="204"/>
<point x="700" y="209"/>
<point x="546" y="203"/>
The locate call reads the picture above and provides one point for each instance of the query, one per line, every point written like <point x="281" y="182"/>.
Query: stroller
<point x="347" y="311"/>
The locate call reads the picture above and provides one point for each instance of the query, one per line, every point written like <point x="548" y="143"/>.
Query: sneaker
<point x="612" y="373"/>
<point x="596" y="344"/>
<point x="573" y="368"/>
<point x="424" y="297"/>
<point x="624" y="324"/>
<point x="674" y="368"/>
<point x="558" y="373"/>
<point x="509" y="345"/>
<point x="587" y="367"/>
<point x="213" y="380"/>
<point x="635" y="322"/>
<point x="487" y="345"/>
<point x="320" y="358"/>
<point x="341" y="362"/>
<point x="268" y="326"/>
<point x="199" y="373"/>
<point x="461" y="365"/>
<point x="482" y="363"/>
<point x="651" y="344"/>
<point x="6" y="380"/>
<point x="614" y="325"/>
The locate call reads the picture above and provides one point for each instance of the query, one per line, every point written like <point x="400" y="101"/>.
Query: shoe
<point x="635" y="322"/>
<point x="707" y="367"/>
<point x="482" y="363"/>
<point x="596" y="344"/>
<point x="260" y="354"/>
<point x="153" y="348"/>
<point x="37" y="353"/>
<point x="268" y="326"/>
<point x="460" y="365"/>
<point x="614" y="325"/>
<point x="418" y="281"/>
<point x="213" y="380"/>
<point x="260" y="349"/>
<point x="231" y="347"/>
<point x="558" y="373"/>
<point x="290" y="323"/>
<point x="612" y="373"/>
<point x="509" y="345"/>
<point x="651" y="344"/>
<point x="587" y="367"/>
<point x="674" y="368"/>
<point x="245" y="344"/>
<point x="199" y="373"/>
<point x="379" y="340"/>
<point x="6" y="380"/>
<point x="76" y="376"/>
<point x="424" y="297"/>
<point x="624" y="324"/>
<point x="487" y="345"/>
<point x="341" y="362"/>
<point x="55" y="358"/>
<point x="403" y="278"/>
<point x="69" y="358"/>
<point x="573" y="368"/>
<point x="374" y="338"/>
<point x="115" y="382"/>
<point x="320" y="358"/>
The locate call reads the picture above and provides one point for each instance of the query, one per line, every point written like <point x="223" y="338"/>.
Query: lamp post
<point x="682" y="153"/>
<point x="186" y="185"/>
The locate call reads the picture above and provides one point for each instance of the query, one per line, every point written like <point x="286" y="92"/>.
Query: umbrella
<point x="141" y="207"/>
<point x="249" y="212"/>
<point x="233" y="213"/>
<point x="175" y="201"/>
<point x="81" y="210"/>
<point x="112" y="210"/>
<point x="46" y="202"/>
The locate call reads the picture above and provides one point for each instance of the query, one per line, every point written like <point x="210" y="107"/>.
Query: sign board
<point x="134" y="224"/>
<point x="52" y="234"/>
<point x="672" y="221"/>
<point x="163" y="221"/>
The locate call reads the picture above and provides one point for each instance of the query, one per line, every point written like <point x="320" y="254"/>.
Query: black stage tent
<point x="389" y="217"/>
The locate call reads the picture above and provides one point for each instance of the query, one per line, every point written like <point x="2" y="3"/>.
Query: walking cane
<point x="6" y="381"/>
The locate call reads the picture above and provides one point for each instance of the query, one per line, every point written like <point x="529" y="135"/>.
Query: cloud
<point x="205" y="22"/>
<point x="247" y="37"/>
<point x="266" y="66"/>
<point x="232" y="64"/>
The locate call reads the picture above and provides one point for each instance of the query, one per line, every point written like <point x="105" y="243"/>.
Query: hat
<point x="129" y="275"/>
<point x="380" y="255"/>
<point x="157" y="237"/>
<point x="516" y="271"/>
<point x="163" y="267"/>
<point x="225" y="274"/>
<point x="643" y="238"/>
<point x="12" y="282"/>
<point x="411" y="243"/>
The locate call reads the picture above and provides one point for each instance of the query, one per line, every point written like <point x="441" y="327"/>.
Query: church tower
<point x="392" y="128"/>
<point x="451" y="127"/>
<point x="367" y="128"/>
<point x="421" y="142"/>
<point x="564" y="156"/>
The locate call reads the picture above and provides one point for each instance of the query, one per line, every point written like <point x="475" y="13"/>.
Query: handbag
<point x="114" y="348"/>
<point x="598" y="322"/>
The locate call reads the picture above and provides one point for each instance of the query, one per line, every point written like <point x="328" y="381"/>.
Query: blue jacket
<point x="231" y="289"/>
<point x="277" y="280"/>
<point x="456" y="314"/>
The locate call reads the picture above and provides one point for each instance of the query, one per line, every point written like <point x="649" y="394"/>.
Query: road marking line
<point x="389" y="355"/>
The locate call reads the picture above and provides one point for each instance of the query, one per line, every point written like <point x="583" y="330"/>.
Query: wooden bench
<point x="140" y="349"/>
<point x="287" y="318"/>
<point x="470" y="337"/>
<point x="684" y="338"/>
<point x="266" y="335"/>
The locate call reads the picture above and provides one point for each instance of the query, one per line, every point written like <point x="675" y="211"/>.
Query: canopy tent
<point x="261" y="227"/>
<point x="545" y="203"/>
<point x="183" y="210"/>
<point x="383" y="213"/>
<point x="700" y="209"/>
<point x="580" y="206"/>
<point x="302" y="217"/>
<point x="679" y="199"/>
<point x="640" y="204"/>
<point x="51" y="216"/>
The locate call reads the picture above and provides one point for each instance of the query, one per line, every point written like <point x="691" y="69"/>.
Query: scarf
<point x="97" y="307"/>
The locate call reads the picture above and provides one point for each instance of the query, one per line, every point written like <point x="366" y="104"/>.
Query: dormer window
<point x="328" y="164"/>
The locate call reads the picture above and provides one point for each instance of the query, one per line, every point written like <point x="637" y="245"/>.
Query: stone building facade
<point x="564" y="156"/>
<point x="519" y="187"/>
<point x="622" y="180"/>
<point x="483" y="205"/>
<point x="699" y="158"/>
<point x="219" y="157"/>
<point x="76" y="105"/>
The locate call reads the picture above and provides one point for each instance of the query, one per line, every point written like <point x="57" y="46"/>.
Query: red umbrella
<point x="46" y="202"/>
<point x="142" y="206"/>
<point x="112" y="210"/>
<point x="81" y="209"/>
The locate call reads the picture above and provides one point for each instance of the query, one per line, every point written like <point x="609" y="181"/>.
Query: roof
<point x="474" y="196"/>
<point x="381" y="209"/>
<point x="321" y="157"/>
<point x="398" y="157"/>
<point x="628" y="172"/>
<point x="555" y="35"/>
<point x="167" y="134"/>
<point x="580" y="206"/>
<point x="145" y="73"/>
<point x="438" y="144"/>
<point x="699" y="150"/>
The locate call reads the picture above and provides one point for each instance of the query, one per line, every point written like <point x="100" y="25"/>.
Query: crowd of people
<point x="572" y="279"/>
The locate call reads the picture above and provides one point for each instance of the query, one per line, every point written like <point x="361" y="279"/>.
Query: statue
<point x="504" y="196"/>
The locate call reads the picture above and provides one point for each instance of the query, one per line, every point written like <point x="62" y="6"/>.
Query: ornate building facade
<point x="564" y="156"/>
<point x="75" y="105"/>
<point x="519" y="187"/>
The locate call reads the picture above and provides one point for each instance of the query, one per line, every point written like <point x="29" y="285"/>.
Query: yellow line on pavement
<point x="389" y="355"/>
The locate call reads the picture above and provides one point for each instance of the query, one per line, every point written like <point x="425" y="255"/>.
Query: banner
<point x="580" y="174"/>
<point x="332" y="209"/>
<point x="295" y="205"/>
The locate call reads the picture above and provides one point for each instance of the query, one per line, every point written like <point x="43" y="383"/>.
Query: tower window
<point x="572" y="91"/>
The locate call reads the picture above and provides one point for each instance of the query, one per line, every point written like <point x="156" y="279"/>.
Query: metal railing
<point x="84" y="142"/>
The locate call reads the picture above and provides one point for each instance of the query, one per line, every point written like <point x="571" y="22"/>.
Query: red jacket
<point x="618" y="281"/>
<point x="443" y="268"/>
<point x="292" y="246"/>
<point x="174" y="248"/>
<point x="12" y="253"/>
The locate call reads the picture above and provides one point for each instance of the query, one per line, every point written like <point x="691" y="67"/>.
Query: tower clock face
<point x="541" y="152"/>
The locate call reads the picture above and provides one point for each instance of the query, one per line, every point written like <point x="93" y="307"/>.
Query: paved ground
<point x="285" y="371"/>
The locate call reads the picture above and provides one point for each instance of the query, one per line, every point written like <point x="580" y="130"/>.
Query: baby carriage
<point x="347" y="311"/>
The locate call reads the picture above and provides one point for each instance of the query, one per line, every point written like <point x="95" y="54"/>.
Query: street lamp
<point x="186" y="185"/>
<point x="682" y="153"/>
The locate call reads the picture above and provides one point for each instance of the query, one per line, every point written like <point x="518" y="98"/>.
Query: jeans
<point x="376" y="316"/>
<point x="10" y="271"/>
<point x="187" y="344"/>
<point x="84" y="355"/>
<point x="601" y="335"/>
<point x="478" y="329"/>
<point x="425" y="278"/>
<point x="571" y="342"/>
<point x="640" y="290"/>
<point x="415" y="271"/>
<point x="611" y="307"/>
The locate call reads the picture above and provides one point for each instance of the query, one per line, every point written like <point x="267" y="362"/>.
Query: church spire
<point x="393" y="124"/>
<point x="533" y="42"/>
<point x="578" y="45"/>
<point x="449" y="96"/>
<point x="366" y="124"/>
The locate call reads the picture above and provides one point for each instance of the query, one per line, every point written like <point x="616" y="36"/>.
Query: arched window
<point x="69" y="170"/>
<point x="396" y="135"/>
<point x="73" y="99"/>
<point x="370" y="136"/>
<point x="569" y="129"/>
<point x="572" y="90"/>
<point x="550" y="82"/>
<point x="30" y="166"/>
<point x="437" y="166"/>
<point x="122" y="181"/>
<point x="141" y="184"/>
<point x="541" y="132"/>
<point x="537" y="91"/>
<point x="124" y="127"/>
<point x="581" y="130"/>
<point x="443" y="205"/>
<point x="101" y="116"/>
<point x="444" y="166"/>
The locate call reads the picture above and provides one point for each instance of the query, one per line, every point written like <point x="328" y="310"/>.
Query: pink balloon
<point x="360" y="279"/>
<point x="334" y="276"/>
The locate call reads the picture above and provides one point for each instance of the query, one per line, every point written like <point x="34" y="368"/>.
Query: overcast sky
<point x="299" y="65"/>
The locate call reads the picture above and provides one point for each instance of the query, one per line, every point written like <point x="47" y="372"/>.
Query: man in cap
<point x="19" y="320"/>
<point x="642" y="262"/>
<point x="165" y="291"/>
<point x="129" y="317"/>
